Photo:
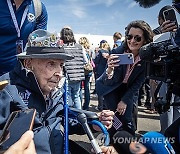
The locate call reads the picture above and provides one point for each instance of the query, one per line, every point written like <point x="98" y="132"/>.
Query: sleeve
<point x="118" y="50"/>
<point x="116" y="78"/>
<point x="41" y="22"/>
<point x="5" y="100"/>
<point x="9" y="102"/>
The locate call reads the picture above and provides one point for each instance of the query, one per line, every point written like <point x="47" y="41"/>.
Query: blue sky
<point x="100" y="17"/>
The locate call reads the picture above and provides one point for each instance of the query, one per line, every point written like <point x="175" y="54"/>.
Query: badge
<point x="19" y="46"/>
<point x="31" y="17"/>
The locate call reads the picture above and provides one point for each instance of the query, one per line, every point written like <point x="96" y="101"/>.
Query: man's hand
<point x="25" y="145"/>
<point x="168" y="26"/>
<point x="121" y="107"/>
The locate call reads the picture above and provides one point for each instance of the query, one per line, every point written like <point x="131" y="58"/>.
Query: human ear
<point x="28" y="64"/>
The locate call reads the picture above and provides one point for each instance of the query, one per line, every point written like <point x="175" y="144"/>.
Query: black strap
<point x="157" y="90"/>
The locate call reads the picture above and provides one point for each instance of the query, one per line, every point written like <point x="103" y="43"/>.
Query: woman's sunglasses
<point x="137" y="38"/>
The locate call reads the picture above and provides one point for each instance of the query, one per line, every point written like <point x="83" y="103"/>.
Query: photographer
<point x="174" y="129"/>
<point x="168" y="53"/>
<point x="167" y="118"/>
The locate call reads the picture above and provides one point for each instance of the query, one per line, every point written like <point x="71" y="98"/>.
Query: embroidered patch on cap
<point x="44" y="39"/>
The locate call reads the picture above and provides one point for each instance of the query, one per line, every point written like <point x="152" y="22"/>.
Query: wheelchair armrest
<point x="90" y="115"/>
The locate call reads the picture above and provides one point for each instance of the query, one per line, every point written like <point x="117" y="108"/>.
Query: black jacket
<point x="114" y="90"/>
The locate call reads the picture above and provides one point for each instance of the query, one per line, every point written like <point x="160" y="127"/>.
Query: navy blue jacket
<point x="23" y="92"/>
<point x="100" y="62"/>
<point x="8" y="33"/>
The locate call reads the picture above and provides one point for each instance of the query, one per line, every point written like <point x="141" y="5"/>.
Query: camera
<point x="162" y="58"/>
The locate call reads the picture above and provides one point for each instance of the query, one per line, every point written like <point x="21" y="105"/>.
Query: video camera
<point x="162" y="58"/>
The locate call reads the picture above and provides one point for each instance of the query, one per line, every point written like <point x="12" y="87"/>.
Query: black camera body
<point x="163" y="64"/>
<point x="162" y="60"/>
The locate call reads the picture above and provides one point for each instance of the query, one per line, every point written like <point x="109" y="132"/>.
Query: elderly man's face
<point x="48" y="73"/>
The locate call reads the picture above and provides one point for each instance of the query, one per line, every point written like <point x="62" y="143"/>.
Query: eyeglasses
<point x="137" y="38"/>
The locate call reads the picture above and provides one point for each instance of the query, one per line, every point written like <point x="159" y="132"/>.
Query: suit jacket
<point x="114" y="90"/>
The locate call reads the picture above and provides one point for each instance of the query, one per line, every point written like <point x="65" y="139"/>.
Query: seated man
<point x="34" y="84"/>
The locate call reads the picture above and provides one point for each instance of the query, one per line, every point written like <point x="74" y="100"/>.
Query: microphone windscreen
<point x="124" y="142"/>
<point x="157" y="143"/>
<point x="147" y="3"/>
<point x="119" y="141"/>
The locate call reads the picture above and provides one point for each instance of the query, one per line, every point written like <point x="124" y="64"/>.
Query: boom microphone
<point x="147" y="3"/>
<point x="158" y="143"/>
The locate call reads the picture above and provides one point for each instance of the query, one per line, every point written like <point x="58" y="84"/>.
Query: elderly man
<point x="34" y="84"/>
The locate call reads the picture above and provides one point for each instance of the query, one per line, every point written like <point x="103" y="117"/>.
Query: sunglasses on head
<point x="137" y="38"/>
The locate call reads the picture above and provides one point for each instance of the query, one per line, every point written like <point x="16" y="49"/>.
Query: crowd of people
<point x="39" y="74"/>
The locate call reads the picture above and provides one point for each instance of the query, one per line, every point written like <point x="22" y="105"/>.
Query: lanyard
<point x="14" y="17"/>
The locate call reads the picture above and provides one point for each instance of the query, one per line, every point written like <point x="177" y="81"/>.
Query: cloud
<point x="107" y="3"/>
<point x="132" y="4"/>
<point x="78" y="12"/>
<point x="68" y="10"/>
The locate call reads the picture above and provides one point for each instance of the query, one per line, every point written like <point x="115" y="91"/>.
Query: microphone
<point x="124" y="142"/>
<point x="157" y="143"/>
<point x="83" y="121"/>
<point x="147" y="3"/>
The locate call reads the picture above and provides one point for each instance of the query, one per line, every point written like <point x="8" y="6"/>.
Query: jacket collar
<point x="25" y="78"/>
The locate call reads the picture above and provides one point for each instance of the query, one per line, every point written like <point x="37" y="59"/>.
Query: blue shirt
<point x="8" y="33"/>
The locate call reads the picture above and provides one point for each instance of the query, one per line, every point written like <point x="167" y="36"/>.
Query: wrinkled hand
<point x="105" y="117"/>
<point x="121" y="107"/>
<point x="25" y="145"/>
<point x="108" y="150"/>
<point x="168" y="26"/>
